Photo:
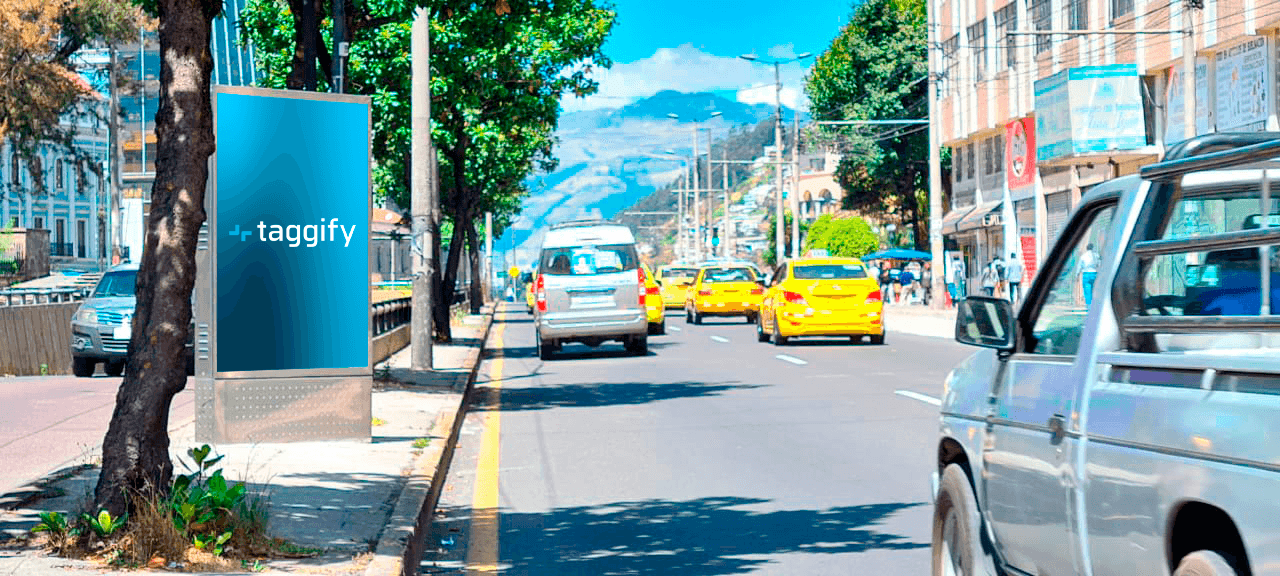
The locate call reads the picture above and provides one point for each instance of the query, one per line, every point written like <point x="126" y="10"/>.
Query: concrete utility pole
<point x="117" y="218"/>
<point x="778" y="230"/>
<point x="424" y="197"/>
<point x="339" y="44"/>
<point x="725" y="232"/>
<point x="795" y="187"/>
<point x="938" y="283"/>
<point x="1189" y="68"/>
<point x="697" y="203"/>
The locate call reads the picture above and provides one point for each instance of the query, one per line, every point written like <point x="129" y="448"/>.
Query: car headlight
<point x="87" y="316"/>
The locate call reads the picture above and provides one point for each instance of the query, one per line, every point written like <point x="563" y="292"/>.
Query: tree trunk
<point x="475" y="293"/>
<point x="135" y="451"/>
<point x="449" y="282"/>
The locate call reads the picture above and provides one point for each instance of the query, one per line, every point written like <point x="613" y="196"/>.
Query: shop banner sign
<point x="1020" y="153"/>
<point x="1241" y="81"/>
<point x="1175" y="104"/>
<point x="1089" y="109"/>
<point x="1028" y="255"/>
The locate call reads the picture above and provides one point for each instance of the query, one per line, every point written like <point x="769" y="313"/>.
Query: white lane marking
<point x="676" y="328"/>
<point x="719" y="338"/>
<point x="918" y="396"/>
<point x="791" y="359"/>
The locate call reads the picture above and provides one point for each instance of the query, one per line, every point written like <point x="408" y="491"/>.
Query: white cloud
<point x="688" y="69"/>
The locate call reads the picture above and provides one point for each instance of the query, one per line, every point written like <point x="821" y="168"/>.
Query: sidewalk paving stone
<point x="358" y="502"/>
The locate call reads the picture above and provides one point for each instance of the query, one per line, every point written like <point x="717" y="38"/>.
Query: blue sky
<point x="693" y="45"/>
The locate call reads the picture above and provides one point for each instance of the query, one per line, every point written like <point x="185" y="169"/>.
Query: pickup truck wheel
<point x="83" y="367"/>
<point x="1204" y="563"/>
<point x="544" y="349"/>
<point x="957" y="529"/>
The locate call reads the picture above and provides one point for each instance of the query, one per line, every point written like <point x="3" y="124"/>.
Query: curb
<point x="400" y="547"/>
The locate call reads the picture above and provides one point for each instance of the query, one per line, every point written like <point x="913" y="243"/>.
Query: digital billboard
<point x="291" y="226"/>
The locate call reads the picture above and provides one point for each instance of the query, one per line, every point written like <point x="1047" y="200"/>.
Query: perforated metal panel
<point x="285" y="409"/>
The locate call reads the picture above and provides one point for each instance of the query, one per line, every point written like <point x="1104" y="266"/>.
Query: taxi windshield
<point x="716" y="275"/>
<point x="830" y="272"/>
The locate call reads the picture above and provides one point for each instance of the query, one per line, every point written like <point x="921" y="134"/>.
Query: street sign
<point x="283" y="314"/>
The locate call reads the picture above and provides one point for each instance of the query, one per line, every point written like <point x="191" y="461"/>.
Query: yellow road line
<point x="482" y="548"/>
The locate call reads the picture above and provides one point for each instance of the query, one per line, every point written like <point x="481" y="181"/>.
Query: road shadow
<point x="706" y="536"/>
<point x="833" y="341"/>
<point x="596" y="395"/>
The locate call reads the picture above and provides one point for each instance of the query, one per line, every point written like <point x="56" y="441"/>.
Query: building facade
<point x="76" y="204"/>
<point x="1039" y="100"/>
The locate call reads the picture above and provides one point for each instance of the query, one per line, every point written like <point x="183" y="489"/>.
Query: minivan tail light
<point x="644" y="289"/>
<point x="794" y="297"/>
<point x="874" y="297"/>
<point x="541" y="290"/>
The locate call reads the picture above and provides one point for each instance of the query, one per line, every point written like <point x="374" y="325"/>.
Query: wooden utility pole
<point x="424" y="197"/>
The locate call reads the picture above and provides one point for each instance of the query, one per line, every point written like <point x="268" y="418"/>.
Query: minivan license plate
<point x="121" y="333"/>
<point x="591" y="301"/>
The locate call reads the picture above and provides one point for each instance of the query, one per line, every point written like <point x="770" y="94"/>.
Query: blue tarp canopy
<point x="898" y="254"/>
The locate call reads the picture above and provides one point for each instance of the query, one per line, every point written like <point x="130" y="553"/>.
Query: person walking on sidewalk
<point x="1088" y="273"/>
<point x="1014" y="273"/>
<point x="990" y="279"/>
<point x="886" y="282"/>
<point x="907" y="280"/>
<point x="962" y="280"/>
<point x="926" y="284"/>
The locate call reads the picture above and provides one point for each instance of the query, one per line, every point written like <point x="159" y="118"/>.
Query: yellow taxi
<point x="656" y="310"/>
<point x="723" y="290"/>
<point x="675" y="281"/>
<point x="821" y="297"/>
<point x="529" y="296"/>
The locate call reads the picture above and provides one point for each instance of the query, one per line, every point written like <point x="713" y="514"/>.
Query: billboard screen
<point x="291" y="224"/>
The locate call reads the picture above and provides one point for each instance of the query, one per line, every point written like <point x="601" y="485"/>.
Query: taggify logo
<point x="296" y="235"/>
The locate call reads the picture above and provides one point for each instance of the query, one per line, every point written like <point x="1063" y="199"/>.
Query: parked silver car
<point x="590" y="288"/>
<point x="1125" y="420"/>
<point x="100" y="329"/>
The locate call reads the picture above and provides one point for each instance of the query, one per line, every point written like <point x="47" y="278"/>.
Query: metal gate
<point x="1057" y="209"/>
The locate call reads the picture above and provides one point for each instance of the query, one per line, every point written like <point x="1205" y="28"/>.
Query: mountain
<point x="611" y="158"/>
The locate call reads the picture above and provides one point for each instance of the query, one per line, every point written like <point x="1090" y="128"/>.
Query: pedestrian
<point x="873" y="270"/>
<point x="886" y="282"/>
<point x="962" y="278"/>
<point x="990" y="278"/>
<point x="1088" y="273"/>
<point x="907" y="280"/>
<point x="926" y="283"/>
<point x="998" y="264"/>
<point x="1014" y="272"/>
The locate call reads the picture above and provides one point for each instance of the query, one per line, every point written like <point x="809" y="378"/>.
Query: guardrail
<point x="391" y="314"/>
<point x="28" y="296"/>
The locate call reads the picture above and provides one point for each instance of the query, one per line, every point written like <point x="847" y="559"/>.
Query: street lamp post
<point x="778" y="231"/>
<point x="697" y="214"/>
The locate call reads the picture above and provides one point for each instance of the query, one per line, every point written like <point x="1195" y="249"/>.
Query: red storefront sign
<point x="1028" y="257"/>
<point x="1020" y="152"/>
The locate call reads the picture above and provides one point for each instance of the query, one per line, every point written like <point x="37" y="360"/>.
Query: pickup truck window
<point x="1061" y="317"/>
<point x="1215" y="282"/>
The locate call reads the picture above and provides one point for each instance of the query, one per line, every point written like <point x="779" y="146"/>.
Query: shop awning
<point x="976" y="218"/>
<point x="953" y="217"/>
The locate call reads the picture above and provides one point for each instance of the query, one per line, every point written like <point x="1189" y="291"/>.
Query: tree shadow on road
<point x="706" y="536"/>
<point x="596" y="395"/>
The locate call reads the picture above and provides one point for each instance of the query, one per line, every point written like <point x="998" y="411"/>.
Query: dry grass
<point x="151" y="532"/>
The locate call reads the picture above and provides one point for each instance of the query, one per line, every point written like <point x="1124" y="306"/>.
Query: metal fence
<point x="28" y="296"/>
<point x="391" y="314"/>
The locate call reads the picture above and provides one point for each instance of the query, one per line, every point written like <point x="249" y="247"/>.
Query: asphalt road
<point x="715" y="454"/>
<point x="52" y="422"/>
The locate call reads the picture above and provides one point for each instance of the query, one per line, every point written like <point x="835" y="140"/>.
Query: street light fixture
<point x="697" y="211"/>
<point x="777" y="144"/>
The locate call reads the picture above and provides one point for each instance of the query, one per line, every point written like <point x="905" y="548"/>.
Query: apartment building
<point x="1039" y="100"/>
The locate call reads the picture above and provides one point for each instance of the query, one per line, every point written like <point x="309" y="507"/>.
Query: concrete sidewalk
<point x="920" y="319"/>
<point x="358" y="503"/>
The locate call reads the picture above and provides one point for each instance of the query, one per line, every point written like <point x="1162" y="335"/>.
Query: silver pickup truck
<point x="1126" y="419"/>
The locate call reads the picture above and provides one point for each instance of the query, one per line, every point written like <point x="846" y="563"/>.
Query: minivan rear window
<point x="117" y="284"/>
<point x="830" y="272"/>
<point x="589" y="260"/>
<point x="679" y="272"/>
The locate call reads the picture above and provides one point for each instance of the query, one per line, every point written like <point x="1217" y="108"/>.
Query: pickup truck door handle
<point x="1057" y="427"/>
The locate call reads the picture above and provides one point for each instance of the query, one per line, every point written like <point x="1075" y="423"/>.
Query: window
<point x="39" y="223"/>
<point x="1077" y="14"/>
<point x="1006" y="22"/>
<point x="1060" y="320"/>
<point x="969" y="160"/>
<point x="830" y="272"/>
<point x="1042" y="19"/>
<point x="719" y="275"/>
<point x="957" y="157"/>
<point x="978" y="41"/>
<point x="1121" y="8"/>
<point x="987" y="156"/>
<point x="997" y="150"/>
<point x="950" y="47"/>
<point x="15" y="170"/>
<point x="588" y="260"/>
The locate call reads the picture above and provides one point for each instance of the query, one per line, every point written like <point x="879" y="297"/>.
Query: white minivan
<point x="590" y="288"/>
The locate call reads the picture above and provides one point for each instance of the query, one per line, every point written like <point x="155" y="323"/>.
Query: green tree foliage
<point x="499" y="70"/>
<point x="844" y="237"/>
<point x="875" y="69"/>
<point x="770" y="256"/>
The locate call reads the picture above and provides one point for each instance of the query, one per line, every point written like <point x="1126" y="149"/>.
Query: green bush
<point x="843" y="237"/>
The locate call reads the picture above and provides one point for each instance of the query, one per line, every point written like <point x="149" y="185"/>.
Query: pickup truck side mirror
<point x="986" y="322"/>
